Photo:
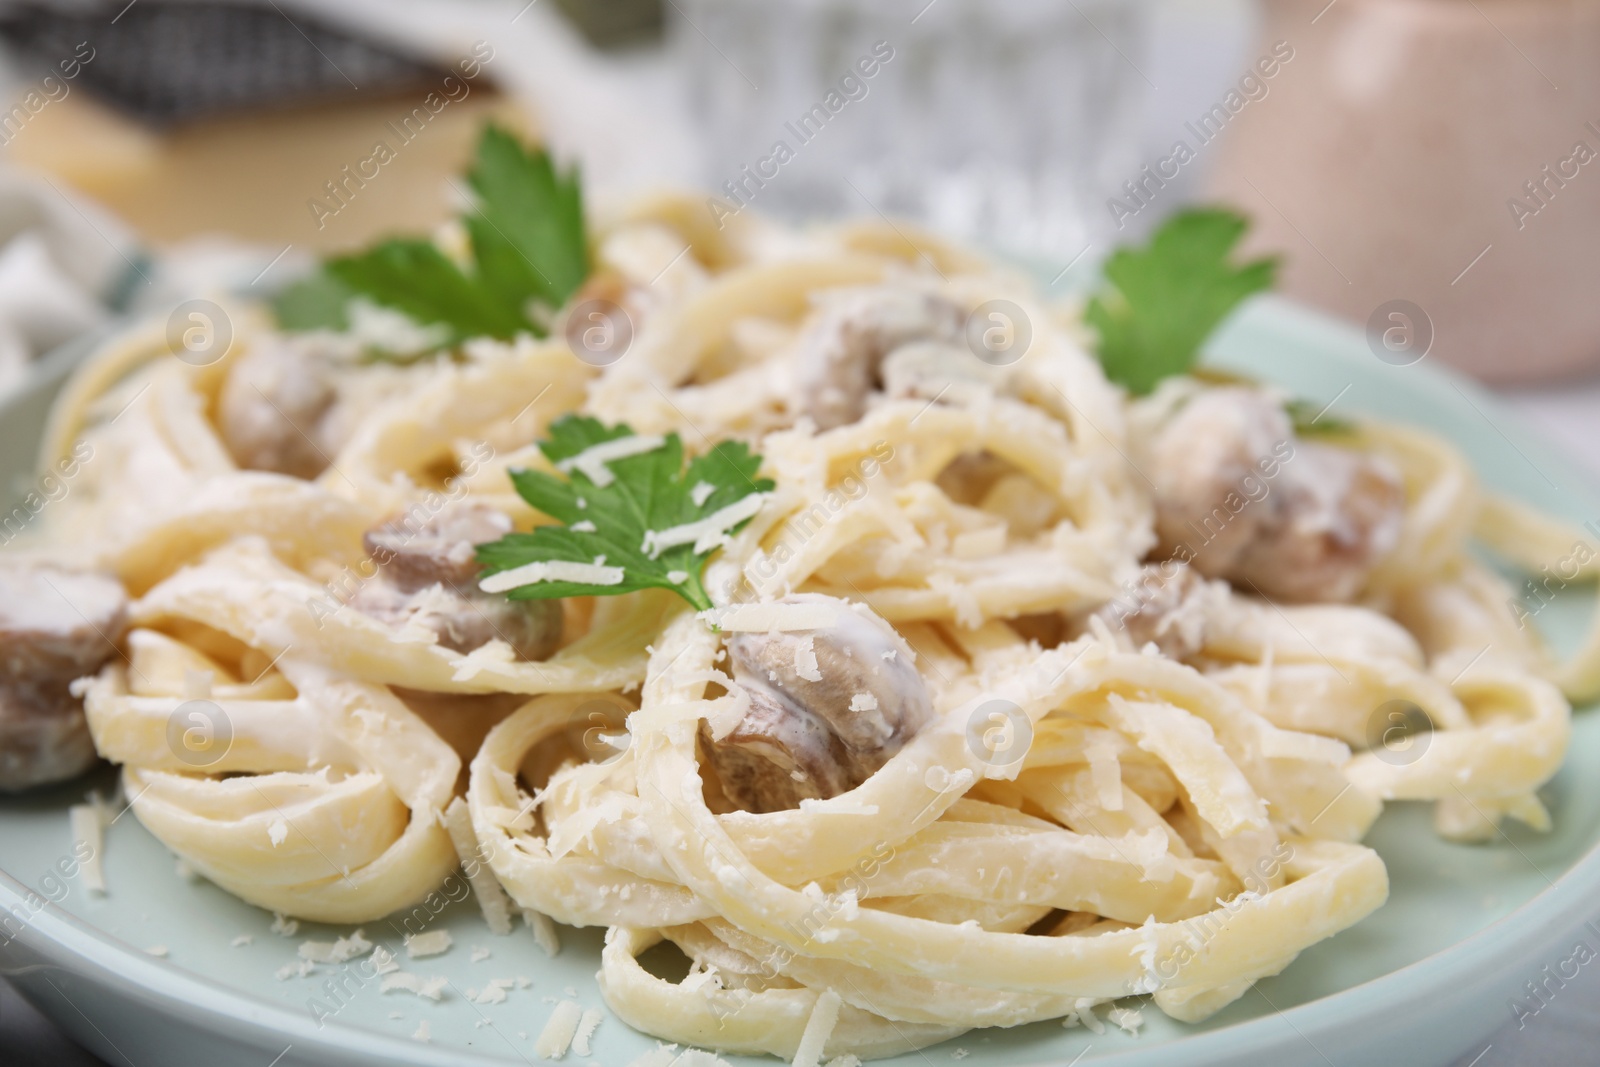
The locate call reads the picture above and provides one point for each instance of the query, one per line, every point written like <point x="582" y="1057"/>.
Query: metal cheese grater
<point x="168" y="62"/>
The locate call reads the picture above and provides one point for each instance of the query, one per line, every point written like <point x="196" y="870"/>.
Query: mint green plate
<point x="1419" y="982"/>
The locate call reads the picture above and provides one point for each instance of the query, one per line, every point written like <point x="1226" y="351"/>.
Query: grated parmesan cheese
<point x="158" y="951"/>
<point x="89" y="831"/>
<point x="701" y="493"/>
<point x="406" y="982"/>
<point x="486" y="887"/>
<point x="1083" y="1015"/>
<point x="824" y="1017"/>
<point x="591" y="462"/>
<point x="480" y="953"/>
<point x="432" y="943"/>
<point x="422" y="1033"/>
<point x="805" y="659"/>
<point x="283" y="926"/>
<point x="1105" y="773"/>
<point x="559" y="1030"/>
<point x="493" y="993"/>
<point x="705" y="534"/>
<point x="340" y="951"/>
<point x="243" y="940"/>
<point x="660" y="1056"/>
<point x="585" y="1035"/>
<point x="1127" y="1018"/>
<point x="544" y="931"/>
<point x="863" y="702"/>
<point x="1145" y="952"/>
<point x="277" y="832"/>
<point x="559" y="570"/>
<point x="694" y="1057"/>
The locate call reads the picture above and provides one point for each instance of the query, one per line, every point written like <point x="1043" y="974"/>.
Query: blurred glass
<point x="1004" y="122"/>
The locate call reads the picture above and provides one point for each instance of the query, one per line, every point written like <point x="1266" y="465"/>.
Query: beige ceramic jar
<point x="1441" y="152"/>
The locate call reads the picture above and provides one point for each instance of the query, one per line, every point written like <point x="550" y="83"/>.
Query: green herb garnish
<point x="635" y="512"/>
<point x="529" y="254"/>
<point x="1312" y="421"/>
<point x="1164" y="299"/>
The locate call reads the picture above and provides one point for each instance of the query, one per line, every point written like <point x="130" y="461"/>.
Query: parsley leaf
<point x="649" y="493"/>
<point x="418" y="279"/>
<point x="528" y="238"/>
<point x="1311" y="420"/>
<point x="529" y="249"/>
<point x="1166" y="298"/>
<point x="316" y="302"/>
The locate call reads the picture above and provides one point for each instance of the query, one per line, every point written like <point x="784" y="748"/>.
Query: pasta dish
<point x="924" y="680"/>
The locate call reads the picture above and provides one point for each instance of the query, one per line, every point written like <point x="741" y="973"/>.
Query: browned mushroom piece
<point x="428" y="575"/>
<point x="56" y="625"/>
<point x="417" y="550"/>
<point x="839" y="355"/>
<point x="1168" y="606"/>
<point x="44" y="736"/>
<point x="273" y="406"/>
<point x="828" y="707"/>
<point x="1240" y="497"/>
<point x="1341" y="514"/>
<point x="1218" y="468"/>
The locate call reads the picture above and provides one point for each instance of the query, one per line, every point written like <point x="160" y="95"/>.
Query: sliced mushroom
<point x="1241" y="497"/>
<point x="44" y="736"/>
<point x="56" y="625"/>
<point x="1168" y="606"/>
<point x="1342" y="514"/>
<point x="427" y="577"/>
<point x="273" y="406"/>
<point x="1210" y="464"/>
<point x="828" y="707"/>
<point x="777" y="757"/>
<point x="416" y="550"/>
<point x="840" y="354"/>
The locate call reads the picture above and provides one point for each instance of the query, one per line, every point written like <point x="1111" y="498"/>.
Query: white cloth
<point x="60" y="259"/>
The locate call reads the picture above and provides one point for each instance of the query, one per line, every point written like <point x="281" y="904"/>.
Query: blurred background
<point x="1433" y="155"/>
<point x="1429" y="151"/>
